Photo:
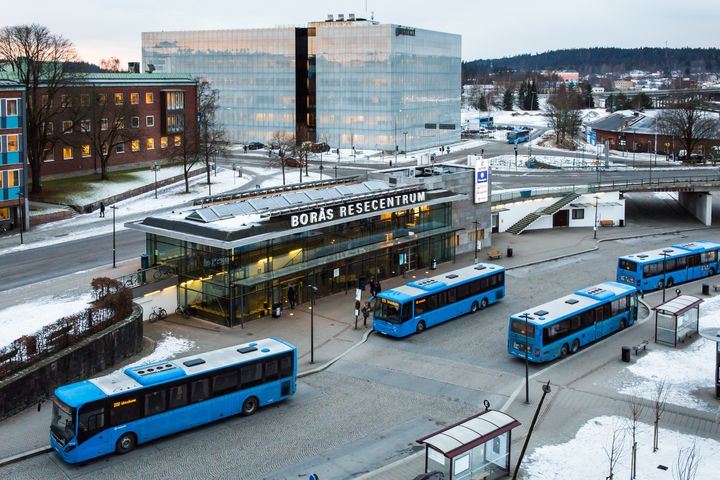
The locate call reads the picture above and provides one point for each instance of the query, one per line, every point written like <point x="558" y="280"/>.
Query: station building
<point x="238" y="256"/>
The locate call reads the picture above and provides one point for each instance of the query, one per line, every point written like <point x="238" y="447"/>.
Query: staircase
<point x="518" y="227"/>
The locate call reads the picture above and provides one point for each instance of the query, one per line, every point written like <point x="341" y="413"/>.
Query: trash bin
<point x="622" y="222"/>
<point x="433" y="265"/>
<point x="277" y="310"/>
<point x="509" y="252"/>
<point x="706" y="289"/>
<point x="626" y="354"/>
<point x="144" y="261"/>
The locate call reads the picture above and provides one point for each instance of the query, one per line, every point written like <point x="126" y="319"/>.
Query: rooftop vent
<point x="247" y="349"/>
<point x="143" y="371"/>
<point x="479" y="267"/>
<point x="571" y="301"/>
<point x="194" y="362"/>
<point x="540" y="313"/>
<point x="341" y="17"/>
<point x="351" y="17"/>
<point x="452" y="275"/>
<point x="595" y="291"/>
<point x="329" y="17"/>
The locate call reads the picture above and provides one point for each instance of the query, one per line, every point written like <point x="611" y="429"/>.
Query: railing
<point x="147" y="276"/>
<point x="626" y="185"/>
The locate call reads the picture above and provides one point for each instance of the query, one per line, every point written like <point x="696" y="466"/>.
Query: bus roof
<point x="423" y="286"/>
<point x="655" y="255"/>
<point x="137" y="377"/>
<point x="569" y="304"/>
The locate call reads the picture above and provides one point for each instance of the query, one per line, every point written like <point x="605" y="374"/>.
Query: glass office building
<point x="354" y="83"/>
<point x="235" y="260"/>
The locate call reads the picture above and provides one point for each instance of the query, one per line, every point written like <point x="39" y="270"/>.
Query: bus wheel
<point x="250" y="406"/>
<point x="575" y="346"/>
<point x="126" y="443"/>
<point x="623" y="324"/>
<point x="483" y="303"/>
<point x="564" y="350"/>
<point x="420" y="326"/>
<point x="474" y="307"/>
<point x="670" y="282"/>
<point x="661" y="284"/>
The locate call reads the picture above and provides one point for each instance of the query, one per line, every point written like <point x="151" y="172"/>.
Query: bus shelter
<point x="677" y="319"/>
<point x="476" y="448"/>
<point x="713" y="334"/>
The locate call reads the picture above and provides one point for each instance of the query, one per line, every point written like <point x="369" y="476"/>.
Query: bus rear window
<point x="628" y="265"/>
<point x="518" y="326"/>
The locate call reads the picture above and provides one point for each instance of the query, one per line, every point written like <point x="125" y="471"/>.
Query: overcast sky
<point x="490" y="29"/>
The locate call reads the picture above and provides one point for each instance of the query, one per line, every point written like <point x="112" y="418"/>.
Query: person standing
<point x="102" y="209"/>
<point x="372" y="287"/>
<point x="291" y="297"/>
<point x="366" y="313"/>
<point x="378" y="288"/>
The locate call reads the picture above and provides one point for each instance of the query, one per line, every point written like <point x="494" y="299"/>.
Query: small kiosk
<point x="677" y="319"/>
<point x="476" y="448"/>
<point x="713" y="334"/>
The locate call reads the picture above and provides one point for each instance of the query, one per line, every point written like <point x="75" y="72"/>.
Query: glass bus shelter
<point x="476" y="448"/>
<point x="677" y="319"/>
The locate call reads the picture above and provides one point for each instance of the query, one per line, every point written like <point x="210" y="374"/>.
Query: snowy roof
<point x="460" y="437"/>
<point x="679" y="305"/>
<point x="679" y="249"/>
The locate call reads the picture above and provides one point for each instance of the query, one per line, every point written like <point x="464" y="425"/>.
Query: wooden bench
<point x="640" y="346"/>
<point x="607" y="223"/>
<point x="494" y="255"/>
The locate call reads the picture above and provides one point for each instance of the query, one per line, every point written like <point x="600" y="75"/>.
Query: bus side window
<point x="587" y="318"/>
<point x="694" y="260"/>
<point x="251" y="375"/>
<point x="451" y="296"/>
<point x="463" y="291"/>
<point x="154" y="402"/>
<point x="406" y="312"/>
<point x="501" y="278"/>
<point x="271" y="370"/>
<point x="199" y="390"/>
<point x="681" y="262"/>
<point x="599" y="314"/>
<point x="431" y="302"/>
<point x="178" y="396"/>
<point x="124" y="411"/>
<point x="90" y="422"/>
<point x="441" y="299"/>
<point x="225" y="382"/>
<point x="286" y="365"/>
<point x="670" y="265"/>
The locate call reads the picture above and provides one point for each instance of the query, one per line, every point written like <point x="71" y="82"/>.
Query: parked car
<point x="294" y="162"/>
<point x="255" y="146"/>
<point x="6" y="225"/>
<point x="321" y="147"/>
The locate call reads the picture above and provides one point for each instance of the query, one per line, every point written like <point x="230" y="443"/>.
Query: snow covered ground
<point x="169" y="346"/>
<point x="507" y="163"/>
<point x="584" y="456"/>
<point x="28" y="318"/>
<point x="685" y="370"/>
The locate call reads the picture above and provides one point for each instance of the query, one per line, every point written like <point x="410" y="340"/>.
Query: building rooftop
<point x="7" y="74"/>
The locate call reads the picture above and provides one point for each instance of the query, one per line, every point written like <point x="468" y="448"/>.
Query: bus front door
<point x="599" y="323"/>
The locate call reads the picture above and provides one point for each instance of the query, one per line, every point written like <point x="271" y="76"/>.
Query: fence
<point x="146" y="276"/>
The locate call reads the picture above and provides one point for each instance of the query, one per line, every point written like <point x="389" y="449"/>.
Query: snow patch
<point x="168" y="347"/>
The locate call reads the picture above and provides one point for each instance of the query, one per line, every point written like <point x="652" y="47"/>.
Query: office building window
<point x="150" y="121"/>
<point x="67" y="153"/>
<point x="85" y="126"/>
<point x="119" y="99"/>
<point x="11" y="108"/>
<point x="65" y="101"/>
<point x="48" y="155"/>
<point x="175" y="100"/>
<point x="163" y="142"/>
<point x="67" y="126"/>
<point x="120" y="123"/>
<point x="101" y="99"/>
<point x="84" y="100"/>
<point x="104" y="149"/>
<point x="150" y="144"/>
<point x="578" y="213"/>
<point x="104" y="124"/>
<point x="13" y="178"/>
<point x="135" y="122"/>
<point x="45" y="100"/>
<point x="178" y="140"/>
<point x="86" y="150"/>
<point x="120" y="148"/>
<point x="134" y="98"/>
<point x="148" y="97"/>
<point x="135" y="145"/>
<point x="13" y="143"/>
<point x="49" y="128"/>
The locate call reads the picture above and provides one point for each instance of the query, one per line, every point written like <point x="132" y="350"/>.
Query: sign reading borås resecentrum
<point x="358" y="208"/>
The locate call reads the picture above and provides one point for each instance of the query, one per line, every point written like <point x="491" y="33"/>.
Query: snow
<point x="28" y="318"/>
<point x="584" y="456"/>
<point x="685" y="370"/>
<point x="169" y="346"/>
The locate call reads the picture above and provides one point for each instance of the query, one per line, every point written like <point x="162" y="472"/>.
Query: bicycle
<point x="158" y="313"/>
<point x="183" y="310"/>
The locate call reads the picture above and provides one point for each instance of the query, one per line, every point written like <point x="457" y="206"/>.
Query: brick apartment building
<point x="12" y="154"/>
<point x="155" y="111"/>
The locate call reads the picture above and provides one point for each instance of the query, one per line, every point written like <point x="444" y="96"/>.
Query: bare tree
<point x="285" y="145"/>
<point x="614" y="450"/>
<point x="111" y="64"/>
<point x="184" y="151"/>
<point x="636" y="407"/>
<point x="686" y="119"/>
<point x="39" y="61"/>
<point x="563" y="114"/>
<point x="104" y="125"/>
<point x="687" y="463"/>
<point x="213" y="140"/>
<point x="659" y="402"/>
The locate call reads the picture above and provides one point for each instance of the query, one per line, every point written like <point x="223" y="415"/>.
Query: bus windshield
<point x="62" y="421"/>
<point x="387" y="310"/>
<point x="518" y="326"/>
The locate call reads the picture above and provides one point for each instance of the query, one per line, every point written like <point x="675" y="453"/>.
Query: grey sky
<point x="101" y="28"/>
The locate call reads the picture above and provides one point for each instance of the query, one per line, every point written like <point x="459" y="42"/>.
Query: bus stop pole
<point x="527" y="377"/>
<point x="546" y="390"/>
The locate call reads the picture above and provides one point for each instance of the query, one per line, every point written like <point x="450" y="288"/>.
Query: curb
<point x="25" y="455"/>
<point x="328" y="364"/>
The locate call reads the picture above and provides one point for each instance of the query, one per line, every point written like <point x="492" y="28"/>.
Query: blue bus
<point x="116" y="412"/>
<point x="518" y="136"/>
<point x="682" y="263"/>
<point x="486" y="122"/>
<point x="562" y="326"/>
<point x="426" y="302"/>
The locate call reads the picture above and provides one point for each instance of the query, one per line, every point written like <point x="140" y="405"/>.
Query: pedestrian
<point x="366" y="313"/>
<point x="378" y="288"/>
<point x="482" y="152"/>
<point x="372" y="287"/>
<point x="102" y="209"/>
<point x="291" y="297"/>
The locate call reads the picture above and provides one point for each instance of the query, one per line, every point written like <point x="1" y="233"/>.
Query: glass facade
<point x="362" y="84"/>
<point x="254" y="71"/>
<point x="375" y="82"/>
<point x="229" y="286"/>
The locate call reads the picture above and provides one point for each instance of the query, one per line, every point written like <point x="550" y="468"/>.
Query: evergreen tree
<point x="534" y="103"/>
<point x="641" y="101"/>
<point x="522" y="96"/>
<point x="622" y="102"/>
<point x="508" y="99"/>
<point x="482" y="103"/>
<point x="588" y="100"/>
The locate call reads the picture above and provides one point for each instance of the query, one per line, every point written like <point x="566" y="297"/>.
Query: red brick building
<point x="154" y="111"/>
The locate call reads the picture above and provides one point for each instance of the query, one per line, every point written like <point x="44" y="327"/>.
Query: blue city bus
<point x="519" y="135"/>
<point x="426" y="302"/>
<point x="683" y="263"/>
<point x="116" y="412"/>
<point x="562" y="326"/>
<point x="486" y="122"/>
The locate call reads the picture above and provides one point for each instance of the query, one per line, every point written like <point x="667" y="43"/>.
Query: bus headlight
<point x="70" y="448"/>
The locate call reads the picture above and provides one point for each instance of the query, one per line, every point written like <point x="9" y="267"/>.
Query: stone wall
<point x="78" y="362"/>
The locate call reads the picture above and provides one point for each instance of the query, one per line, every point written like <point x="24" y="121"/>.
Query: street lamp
<point x="405" y="134"/>
<point x="526" y="316"/>
<point x="113" y="210"/>
<point x="546" y="390"/>
<point x="515" y="147"/>
<point x="595" y="226"/>
<point x="313" y="291"/>
<point x="21" y="194"/>
<point x="476" y="240"/>
<point x="155" y="168"/>
<point x="664" y="254"/>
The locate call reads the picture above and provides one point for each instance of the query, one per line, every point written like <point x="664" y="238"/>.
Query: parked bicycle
<point x="158" y="313"/>
<point x="183" y="310"/>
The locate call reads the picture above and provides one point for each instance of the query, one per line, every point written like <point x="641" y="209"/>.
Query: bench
<point x="494" y="255"/>
<point x="640" y="346"/>
<point x="607" y="223"/>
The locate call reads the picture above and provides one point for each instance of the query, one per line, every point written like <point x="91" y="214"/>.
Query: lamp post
<point x="546" y="390"/>
<point x="664" y="280"/>
<point x="526" y="316"/>
<point x="155" y="168"/>
<point x="396" y="142"/>
<point x="515" y="147"/>
<point x="313" y="290"/>
<point x="476" y="239"/>
<point x="113" y="210"/>
<point x="405" y="135"/>
<point x="21" y="194"/>
<point x="595" y="225"/>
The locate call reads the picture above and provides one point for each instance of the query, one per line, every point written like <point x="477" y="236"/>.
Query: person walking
<point x="378" y="288"/>
<point x="372" y="287"/>
<point x="366" y="313"/>
<point x="291" y="297"/>
<point x="102" y="209"/>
